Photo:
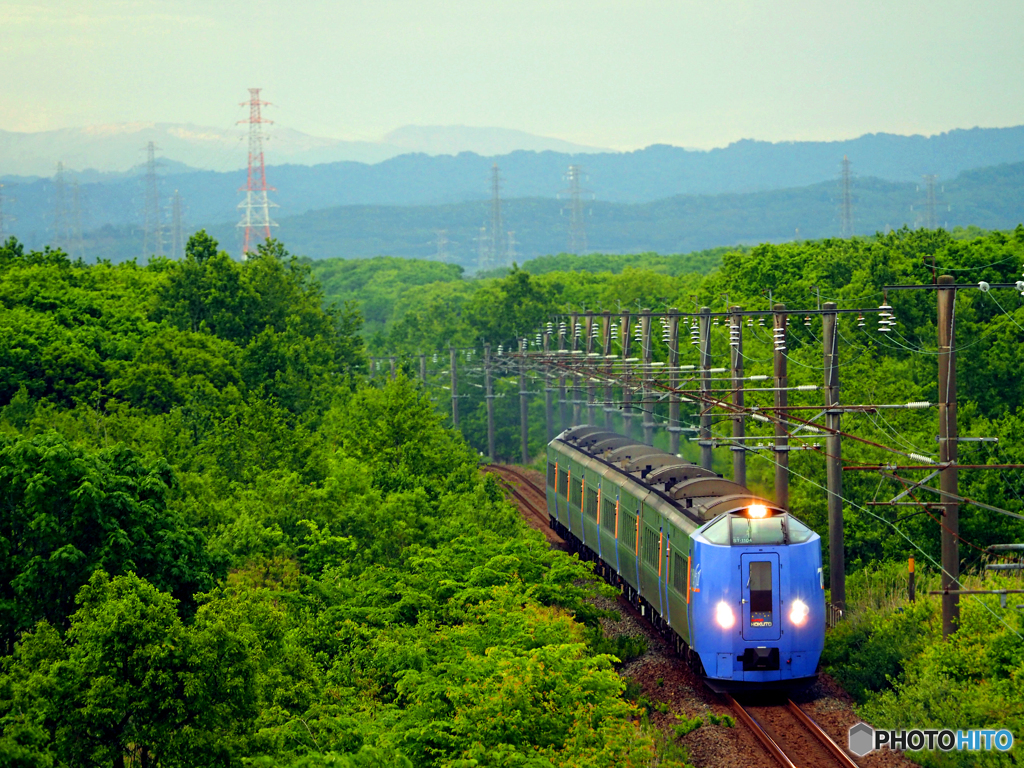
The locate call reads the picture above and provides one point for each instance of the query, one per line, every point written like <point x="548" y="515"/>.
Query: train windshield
<point x="765" y="530"/>
<point x="798" y="532"/>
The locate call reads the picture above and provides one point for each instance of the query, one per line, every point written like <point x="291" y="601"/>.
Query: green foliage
<point x="687" y="725"/>
<point x="727" y="721"/>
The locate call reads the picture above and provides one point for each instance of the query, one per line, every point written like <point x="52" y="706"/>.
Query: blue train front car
<point x="757" y="599"/>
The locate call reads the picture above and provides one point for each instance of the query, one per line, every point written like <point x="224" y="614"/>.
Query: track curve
<point x="531" y="499"/>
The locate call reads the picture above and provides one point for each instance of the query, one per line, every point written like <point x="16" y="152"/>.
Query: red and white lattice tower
<point x="256" y="207"/>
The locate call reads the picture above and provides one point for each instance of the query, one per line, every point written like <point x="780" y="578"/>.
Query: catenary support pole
<point x="948" y="480"/>
<point x="739" y="451"/>
<point x="834" y="458"/>
<point x="455" y="387"/>
<point x="391" y="362"/>
<point x="549" y="417"/>
<point x="673" y="381"/>
<point x="563" y="405"/>
<point x="781" y="401"/>
<point x="591" y="387"/>
<point x="627" y="392"/>
<point x="574" y="362"/>
<point x="705" y="387"/>
<point x="646" y="393"/>
<point x="489" y="396"/>
<point x="606" y="330"/>
<point x="524" y="404"/>
<point x="423" y="368"/>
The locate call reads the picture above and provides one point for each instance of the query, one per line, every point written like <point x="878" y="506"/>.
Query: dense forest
<point x="224" y="543"/>
<point x="221" y="546"/>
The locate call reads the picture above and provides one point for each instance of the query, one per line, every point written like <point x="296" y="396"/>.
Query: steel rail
<point x="819" y="733"/>
<point x="766" y="741"/>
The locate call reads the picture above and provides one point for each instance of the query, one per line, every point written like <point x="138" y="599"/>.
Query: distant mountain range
<point x="117" y="149"/>
<point x="643" y="176"/>
<point x="991" y="198"/>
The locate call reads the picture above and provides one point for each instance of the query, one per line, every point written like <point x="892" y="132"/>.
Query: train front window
<point x="798" y="532"/>
<point x="718" y="532"/>
<point x="765" y="530"/>
<point x="760" y="581"/>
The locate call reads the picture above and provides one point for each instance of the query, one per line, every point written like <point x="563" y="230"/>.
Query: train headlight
<point x="724" y="615"/>
<point x="798" y="613"/>
<point x="757" y="510"/>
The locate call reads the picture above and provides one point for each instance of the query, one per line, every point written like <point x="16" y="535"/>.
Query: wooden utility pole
<point x="423" y="368"/>
<point x="739" y="450"/>
<point x="781" y="402"/>
<point x="524" y="404"/>
<point x="705" y="387"/>
<point x="948" y="479"/>
<point x="627" y="393"/>
<point x="646" y="393"/>
<point x="455" y="388"/>
<point x="607" y="346"/>
<point x="489" y="397"/>
<point x="673" y="381"/>
<point x="834" y="458"/>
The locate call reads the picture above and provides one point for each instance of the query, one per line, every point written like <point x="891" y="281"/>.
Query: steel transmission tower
<point x="846" y="206"/>
<point x="177" y="233"/>
<point x="256" y="207"/>
<point x="153" y="236"/>
<point x="498" y="249"/>
<point x="577" y="227"/>
<point x="61" y="229"/>
<point x="512" y="255"/>
<point x="931" y="203"/>
<point x="5" y="218"/>
<point x="442" y="245"/>
<point x="76" y="245"/>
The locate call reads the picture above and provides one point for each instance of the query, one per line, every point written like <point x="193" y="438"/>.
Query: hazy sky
<point x="697" y="73"/>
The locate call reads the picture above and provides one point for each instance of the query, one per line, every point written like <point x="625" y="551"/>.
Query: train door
<point x="760" y="579"/>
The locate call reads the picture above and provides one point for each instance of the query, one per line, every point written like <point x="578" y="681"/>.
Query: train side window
<point x="551" y="475"/>
<point x="627" y="529"/>
<point x="798" y="532"/>
<point x="717" y="532"/>
<point x="650" y="553"/>
<point x="765" y="530"/>
<point x="679" y="573"/>
<point x="591" y="508"/>
<point x="608" y="513"/>
<point x="563" y="482"/>
<point x="577" y="492"/>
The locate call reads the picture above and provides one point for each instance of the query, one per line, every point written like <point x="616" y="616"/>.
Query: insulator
<point x="501" y="349"/>
<point x="615" y="333"/>
<point x="638" y="334"/>
<point x="860" y="321"/>
<point x="435" y="357"/>
<point x="561" y="329"/>
<point x="922" y="459"/>
<point x="918" y="404"/>
<point x="715" y="322"/>
<point x="807" y="321"/>
<point x="539" y="340"/>
<point x="750" y="322"/>
<point x="551" y="327"/>
<point x="806" y="388"/>
<point x="760" y="321"/>
<point x="759" y="417"/>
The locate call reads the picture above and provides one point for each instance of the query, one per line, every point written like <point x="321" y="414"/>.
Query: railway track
<point x="532" y="499"/>
<point x="792" y="738"/>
